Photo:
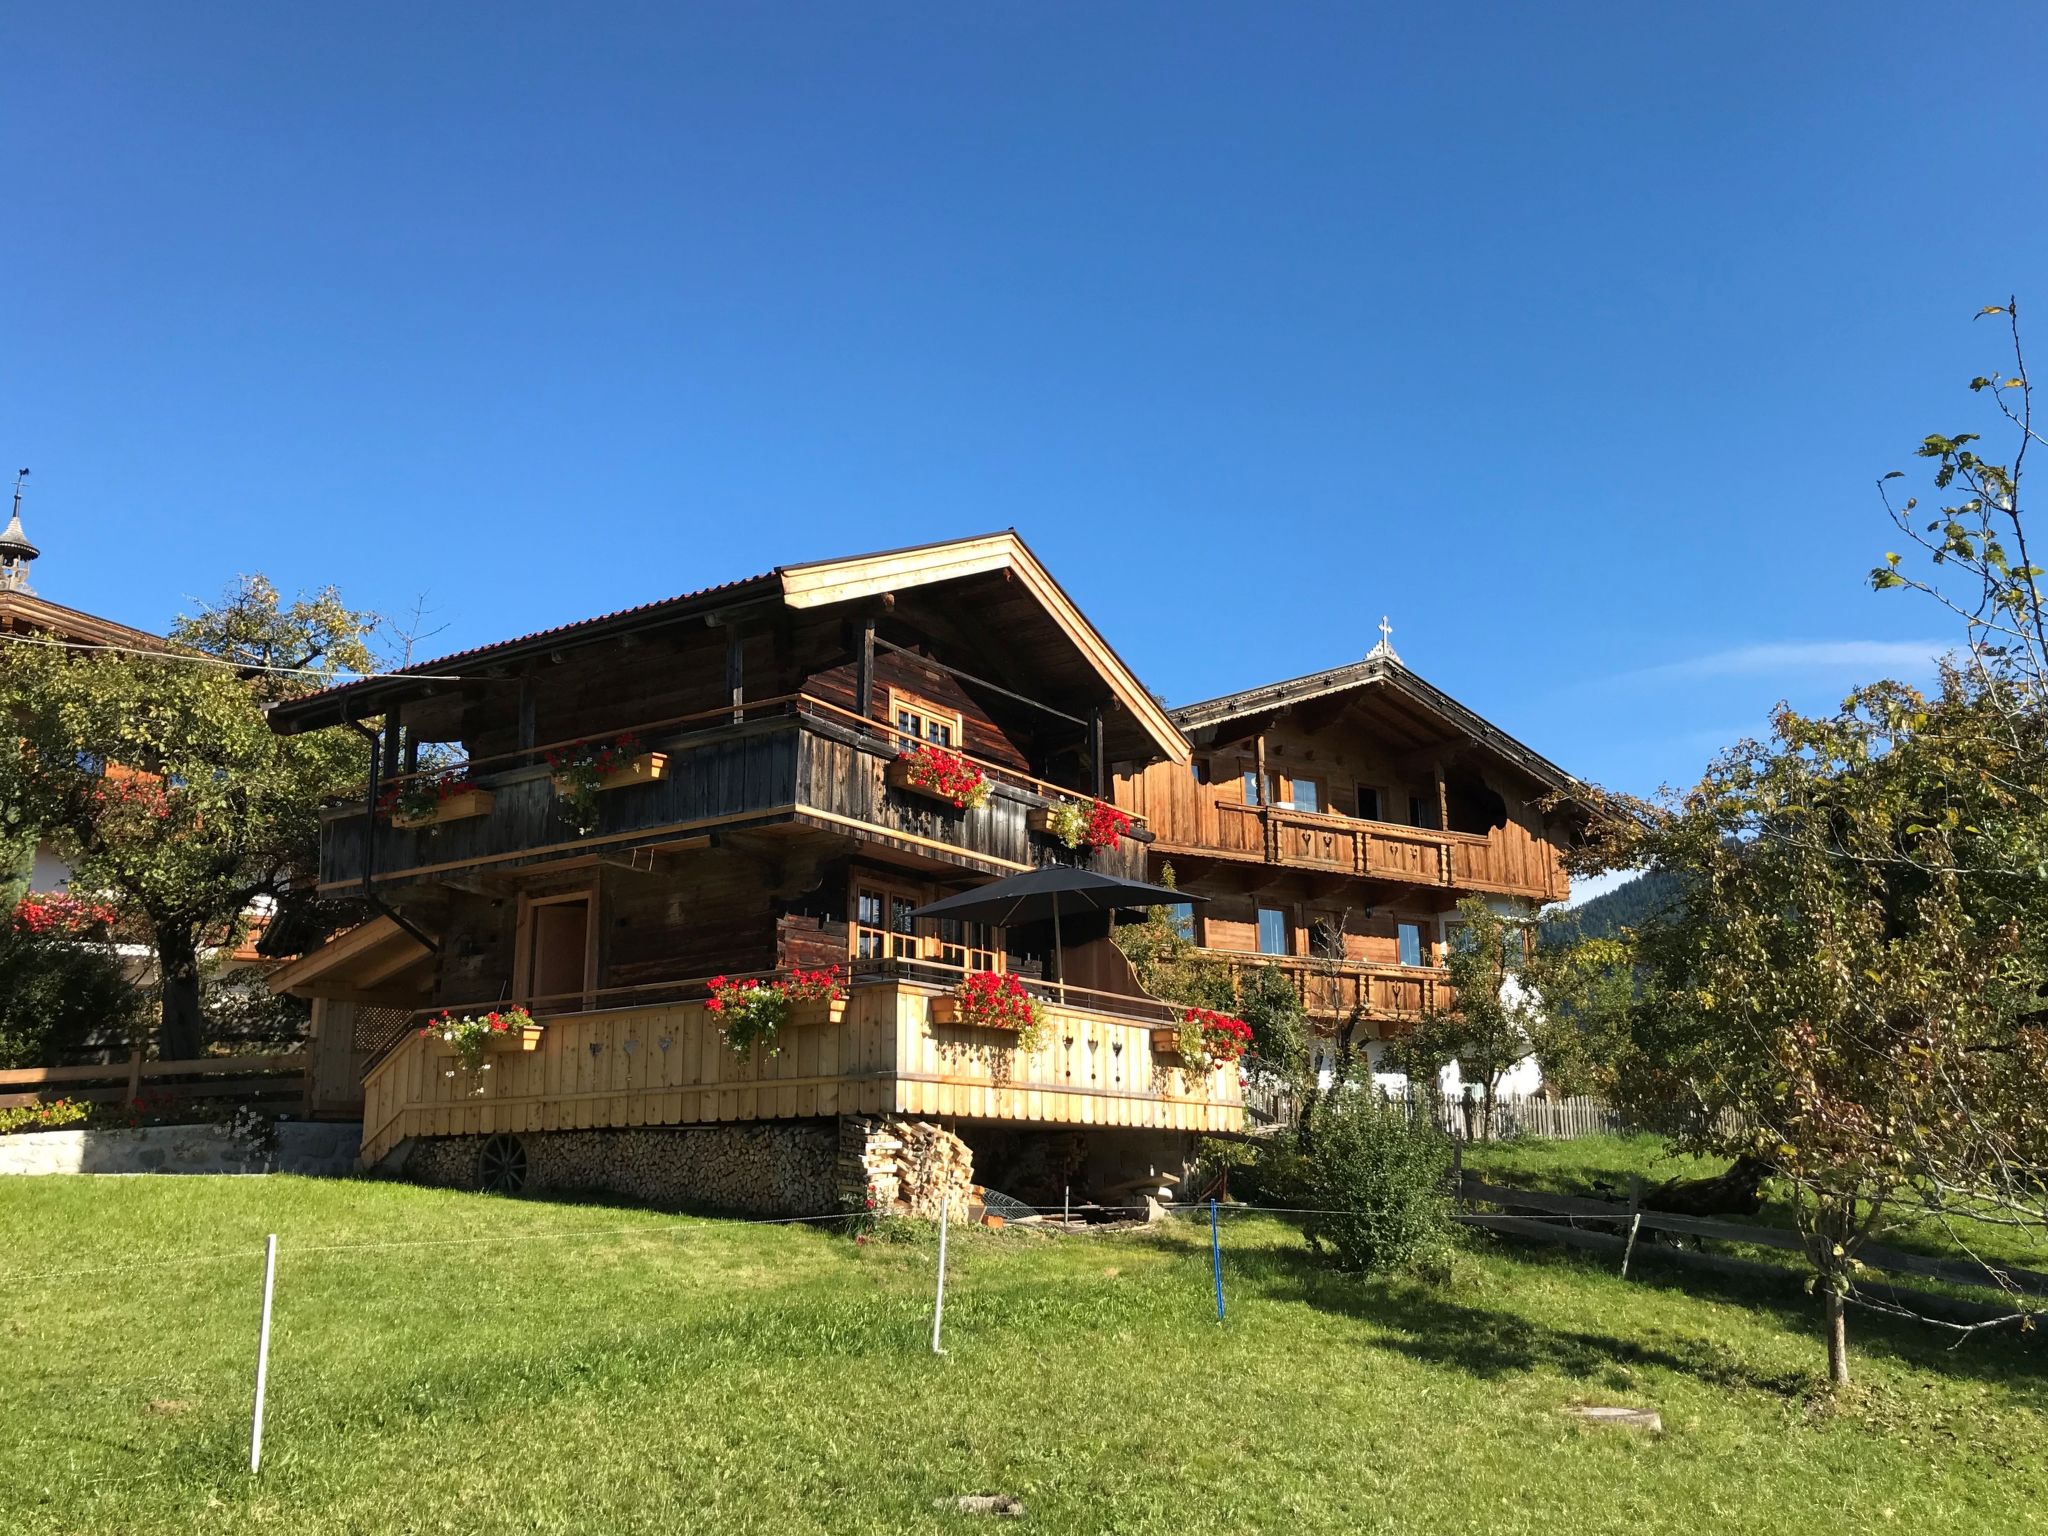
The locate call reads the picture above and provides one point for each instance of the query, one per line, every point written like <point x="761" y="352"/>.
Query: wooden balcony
<point x="664" y="1064"/>
<point x="1346" y="989"/>
<point x="1199" y="823"/>
<point x="792" y="761"/>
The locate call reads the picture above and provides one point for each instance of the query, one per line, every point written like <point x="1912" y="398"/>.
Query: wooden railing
<point x="1352" y="988"/>
<point x="275" y="1081"/>
<point x="797" y="758"/>
<point x="666" y="1064"/>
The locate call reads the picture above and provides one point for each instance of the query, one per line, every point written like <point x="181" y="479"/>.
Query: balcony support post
<point x="864" y="680"/>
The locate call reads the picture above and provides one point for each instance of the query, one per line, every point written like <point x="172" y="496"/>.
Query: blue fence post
<point x="1216" y="1258"/>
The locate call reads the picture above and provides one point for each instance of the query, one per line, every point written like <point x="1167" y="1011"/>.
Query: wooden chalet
<point x="760" y="825"/>
<point x="1335" y="821"/>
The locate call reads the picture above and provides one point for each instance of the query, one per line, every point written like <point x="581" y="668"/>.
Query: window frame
<point x="927" y="714"/>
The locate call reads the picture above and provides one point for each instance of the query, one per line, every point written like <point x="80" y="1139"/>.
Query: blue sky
<point x="1573" y="337"/>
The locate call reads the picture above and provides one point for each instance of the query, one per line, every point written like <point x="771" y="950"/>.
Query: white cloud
<point x="1867" y="659"/>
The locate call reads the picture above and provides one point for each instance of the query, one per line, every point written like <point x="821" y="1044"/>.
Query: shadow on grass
<point x="1492" y="1342"/>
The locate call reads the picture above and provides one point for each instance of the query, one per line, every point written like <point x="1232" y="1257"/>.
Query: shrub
<point x="43" y="1117"/>
<point x="1381" y="1178"/>
<point x="56" y="994"/>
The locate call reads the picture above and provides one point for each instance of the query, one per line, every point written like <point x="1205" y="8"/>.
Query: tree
<point x="1830" y="997"/>
<point x="1492" y="1025"/>
<point x="161" y="783"/>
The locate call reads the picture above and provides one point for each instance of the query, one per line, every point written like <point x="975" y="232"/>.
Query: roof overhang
<point x="818" y="584"/>
<point x="1212" y="718"/>
<point x="828" y="582"/>
<point x="372" y="959"/>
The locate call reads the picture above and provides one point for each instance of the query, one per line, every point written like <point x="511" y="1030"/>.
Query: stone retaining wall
<point x="145" y="1149"/>
<point x="315" y="1148"/>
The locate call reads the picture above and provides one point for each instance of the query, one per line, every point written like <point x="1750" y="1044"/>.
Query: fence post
<point x="1635" y="1219"/>
<point x="135" y="1075"/>
<point x="262" y="1355"/>
<point x="1216" y="1259"/>
<point x="939" y="1305"/>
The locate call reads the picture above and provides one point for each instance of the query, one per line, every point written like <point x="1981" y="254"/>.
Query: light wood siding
<point x="667" y="1066"/>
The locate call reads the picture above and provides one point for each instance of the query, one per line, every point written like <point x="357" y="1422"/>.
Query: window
<point x="1272" y="931"/>
<point x="917" y="720"/>
<point x="1251" y="787"/>
<point x="1326" y="936"/>
<point x="1410" y="936"/>
<point x="1182" y="914"/>
<point x="883" y="930"/>
<point x="1421" y="812"/>
<point x="1369" y="804"/>
<point x="1306" y="796"/>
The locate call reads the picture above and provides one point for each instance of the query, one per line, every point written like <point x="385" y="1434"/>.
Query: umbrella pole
<point x="1059" y="962"/>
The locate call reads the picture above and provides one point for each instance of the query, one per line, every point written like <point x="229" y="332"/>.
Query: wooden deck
<point x="665" y="1065"/>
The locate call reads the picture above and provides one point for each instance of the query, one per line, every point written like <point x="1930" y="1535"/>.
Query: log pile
<point x="912" y="1167"/>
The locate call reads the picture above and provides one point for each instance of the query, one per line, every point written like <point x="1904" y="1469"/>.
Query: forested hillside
<point x="1623" y="907"/>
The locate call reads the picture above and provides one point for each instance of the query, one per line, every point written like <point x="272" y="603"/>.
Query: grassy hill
<point x="451" y="1362"/>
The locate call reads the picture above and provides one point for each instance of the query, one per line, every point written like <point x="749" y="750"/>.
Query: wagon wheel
<point x="502" y="1165"/>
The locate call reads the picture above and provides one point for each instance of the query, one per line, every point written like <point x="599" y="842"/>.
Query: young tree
<point x="163" y="786"/>
<point x="1493" y="1023"/>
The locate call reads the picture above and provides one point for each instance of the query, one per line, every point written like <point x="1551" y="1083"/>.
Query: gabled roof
<point x="815" y="584"/>
<point x="1376" y="671"/>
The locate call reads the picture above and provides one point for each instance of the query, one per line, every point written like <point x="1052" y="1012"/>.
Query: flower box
<point x="645" y="768"/>
<point x="459" y="806"/>
<point x="897" y="776"/>
<point x="946" y="1010"/>
<point x="817" y="1010"/>
<point x="1040" y="819"/>
<point x="1165" y="1042"/>
<point x="525" y="1037"/>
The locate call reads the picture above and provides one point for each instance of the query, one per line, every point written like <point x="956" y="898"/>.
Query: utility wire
<point x="338" y="676"/>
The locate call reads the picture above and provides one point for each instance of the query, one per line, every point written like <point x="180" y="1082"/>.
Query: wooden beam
<point x="736" y="671"/>
<point x="865" y="671"/>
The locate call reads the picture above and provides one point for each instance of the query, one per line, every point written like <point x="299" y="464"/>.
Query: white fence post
<point x="939" y="1306"/>
<point x="263" y="1355"/>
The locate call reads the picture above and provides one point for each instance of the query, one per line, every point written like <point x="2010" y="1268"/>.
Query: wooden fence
<point x="1615" y="1228"/>
<point x="276" y="1082"/>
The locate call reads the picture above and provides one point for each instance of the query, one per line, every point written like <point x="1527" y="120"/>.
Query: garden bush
<point x="1381" y="1183"/>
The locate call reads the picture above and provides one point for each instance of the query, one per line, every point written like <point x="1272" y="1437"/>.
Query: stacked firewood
<point x="935" y="1167"/>
<point x="911" y="1167"/>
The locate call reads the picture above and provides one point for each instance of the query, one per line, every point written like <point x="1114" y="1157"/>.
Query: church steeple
<point x="15" y="550"/>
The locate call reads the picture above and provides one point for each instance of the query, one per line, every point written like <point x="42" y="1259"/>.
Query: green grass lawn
<point x="1599" y="1167"/>
<point x="618" y="1370"/>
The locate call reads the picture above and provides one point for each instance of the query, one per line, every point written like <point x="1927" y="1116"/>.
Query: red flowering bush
<point x="471" y="1036"/>
<point x="422" y="794"/>
<point x="580" y="771"/>
<point x="749" y="1011"/>
<point x="947" y="775"/>
<point x="56" y="914"/>
<point x="1209" y="1040"/>
<point x="997" y="1000"/>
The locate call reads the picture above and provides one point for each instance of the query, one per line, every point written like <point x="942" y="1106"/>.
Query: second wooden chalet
<point x="602" y="821"/>
<point x="1335" y="821"/>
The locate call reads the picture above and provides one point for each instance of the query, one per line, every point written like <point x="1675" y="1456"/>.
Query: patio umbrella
<point x="1051" y="893"/>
